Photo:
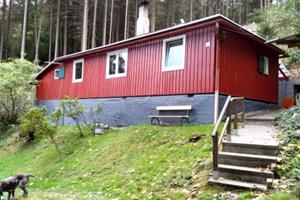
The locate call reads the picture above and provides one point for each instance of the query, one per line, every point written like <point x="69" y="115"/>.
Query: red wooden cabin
<point x="195" y="63"/>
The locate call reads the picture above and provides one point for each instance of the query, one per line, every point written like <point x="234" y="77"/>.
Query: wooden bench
<point x="180" y="112"/>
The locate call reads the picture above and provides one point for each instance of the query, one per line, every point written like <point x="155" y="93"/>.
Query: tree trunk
<point x="191" y="10"/>
<point x="37" y="32"/>
<point x="153" y="15"/>
<point x="94" y="24"/>
<point x="85" y="26"/>
<point x="57" y="30"/>
<point x="104" y="24"/>
<point x="111" y="21"/>
<point x="3" y="29"/>
<point x="126" y="20"/>
<point x="24" y="30"/>
<point x="65" y="48"/>
<point x="50" y="32"/>
<point x="7" y="43"/>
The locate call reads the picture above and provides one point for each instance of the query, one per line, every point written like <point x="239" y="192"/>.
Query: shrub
<point x="289" y="122"/>
<point x="17" y="93"/>
<point x="35" y="123"/>
<point x="72" y="108"/>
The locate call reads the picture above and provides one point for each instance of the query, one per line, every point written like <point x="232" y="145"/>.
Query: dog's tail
<point x="29" y="175"/>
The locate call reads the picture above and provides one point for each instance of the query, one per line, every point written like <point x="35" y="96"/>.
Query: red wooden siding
<point x="144" y="72"/>
<point x="238" y="72"/>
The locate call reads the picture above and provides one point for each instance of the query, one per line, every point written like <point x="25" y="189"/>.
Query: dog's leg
<point x="8" y="196"/>
<point x="25" y="191"/>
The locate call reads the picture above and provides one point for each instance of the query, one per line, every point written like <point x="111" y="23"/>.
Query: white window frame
<point x="74" y="80"/>
<point x="117" y="68"/>
<point x="172" y="68"/>
<point x="55" y="77"/>
<point x="266" y="65"/>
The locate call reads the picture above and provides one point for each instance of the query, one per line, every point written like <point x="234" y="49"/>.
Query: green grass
<point x="139" y="162"/>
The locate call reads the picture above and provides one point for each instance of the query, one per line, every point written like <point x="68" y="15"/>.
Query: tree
<point x="24" y="29"/>
<point x="111" y="21"/>
<point x="3" y="29"/>
<point x="104" y="24"/>
<point x="72" y="108"/>
<point x="50" y="31"/>
<point x="57" y="29"/>
<point x="126" y="20"/>
<point x="65" y="28"/>
<point x="16" y="91"/>
<point x="94" y="24"/>
<point x="84" y="26"/>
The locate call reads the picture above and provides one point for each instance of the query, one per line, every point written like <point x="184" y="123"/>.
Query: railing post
<point x="235" y="124"/>
<point x="215" y="156"/>
<point x="228" y="135"/>
<point x="243" y="113"/>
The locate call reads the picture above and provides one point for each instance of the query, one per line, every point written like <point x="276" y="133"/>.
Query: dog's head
<point x="1" y="190"/>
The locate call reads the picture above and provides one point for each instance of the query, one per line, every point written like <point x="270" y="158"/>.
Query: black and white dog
<point x="11" y="183"/>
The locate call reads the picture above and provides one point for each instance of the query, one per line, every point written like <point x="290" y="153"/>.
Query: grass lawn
<point x="139" y="162"/>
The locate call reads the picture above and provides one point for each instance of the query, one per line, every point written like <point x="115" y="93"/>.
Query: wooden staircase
<point x="243" y="158"/>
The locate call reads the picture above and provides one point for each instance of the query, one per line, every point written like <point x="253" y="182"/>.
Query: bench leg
<point x="155" y="118"/>
<point x="186" y="119"/>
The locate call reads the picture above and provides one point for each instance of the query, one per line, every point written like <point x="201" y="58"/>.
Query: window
<point x="116" y="65"/>
<point x="78" y="66"/>
<point x="173" y="53"/>
<point x="263" y="64"/>
<point x="59" y="73"/>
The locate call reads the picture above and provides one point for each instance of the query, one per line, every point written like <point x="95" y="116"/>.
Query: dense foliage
<point x="282" y="20"/>
<point x="289" y="122"/>
<point x="17" y="92"/>
<point x="35" y="123"/>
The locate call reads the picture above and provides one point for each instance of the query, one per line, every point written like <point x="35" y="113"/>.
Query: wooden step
<point x="249" y="174"/>
<point x="235" y="183"/>
<point x="259" y="121"/>
<point x="247" y="160"/>
<point x="250" y="148"/>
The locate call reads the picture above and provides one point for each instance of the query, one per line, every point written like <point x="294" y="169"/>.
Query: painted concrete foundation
<point x="250" y="105"/>
<point x="135" y="110"/>
<point x="286" y="89"/>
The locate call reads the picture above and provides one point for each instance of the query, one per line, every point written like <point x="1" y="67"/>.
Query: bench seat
<point x="180" y="112"/>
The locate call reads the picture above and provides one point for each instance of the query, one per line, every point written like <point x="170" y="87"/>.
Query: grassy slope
<point x="140" y="162"/>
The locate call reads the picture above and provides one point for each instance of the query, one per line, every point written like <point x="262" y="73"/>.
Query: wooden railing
<point x="234" y="110"/>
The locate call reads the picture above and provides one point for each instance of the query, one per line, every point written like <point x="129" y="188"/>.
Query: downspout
<point x="217" y="71"/>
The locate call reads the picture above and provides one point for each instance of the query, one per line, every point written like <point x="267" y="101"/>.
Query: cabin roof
<point x="160" y="33"/>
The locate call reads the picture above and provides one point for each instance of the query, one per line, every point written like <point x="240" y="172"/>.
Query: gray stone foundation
<point x="250" y="105"/>
<point x="135" y="110"/>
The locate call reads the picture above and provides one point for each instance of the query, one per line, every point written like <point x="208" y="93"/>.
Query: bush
<point x="289" y="122"/>
<point x="17" y="93"/>
<point x="35" y="123"/>
<point x="72" y="108"/>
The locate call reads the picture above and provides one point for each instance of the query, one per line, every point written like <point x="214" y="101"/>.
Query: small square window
<point x="116" y="64"/>
<point x="263" y="64"/>
<point x="173" y="53"/>
<point x="59" y="73"/>
<point x="78" y="66"/>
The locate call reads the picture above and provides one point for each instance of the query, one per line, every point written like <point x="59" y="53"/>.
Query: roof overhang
<point x="291" y="41"/>
<point x="179" y="29"/>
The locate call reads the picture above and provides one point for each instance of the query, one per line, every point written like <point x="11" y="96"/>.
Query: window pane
<point x="122" y="62"/>
<point x="174" y="53"/>
<point x="57" y="73"/>
<point x="78" y="70"/>
<point x="112" y="64"/>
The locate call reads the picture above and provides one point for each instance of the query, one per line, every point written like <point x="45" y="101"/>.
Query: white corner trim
<point x="163" y="63"/>
<point x="55" y="77"/>
<point x="216" y="107"/>
<point x="107" y="75"/>
<point x="74" y="67"/>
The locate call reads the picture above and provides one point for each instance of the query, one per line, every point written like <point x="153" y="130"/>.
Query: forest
<point x="41" y="30"/>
